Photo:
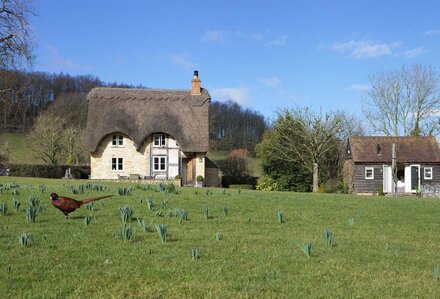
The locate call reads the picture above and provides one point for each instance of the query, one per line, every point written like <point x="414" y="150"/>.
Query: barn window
<point x="159" y="139"/>
<point x="118" y="140"/>
<point x="159" y="163"/>
<point x="369" y="173"/>
<point x="427" y="173"/>
<point x="117" y="164"/>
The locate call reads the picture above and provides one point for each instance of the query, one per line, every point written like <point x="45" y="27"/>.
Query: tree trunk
<point x="315" y="177"/>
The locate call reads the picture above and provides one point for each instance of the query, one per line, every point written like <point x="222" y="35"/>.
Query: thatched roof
<point x="140" y="112"/>
<point x="377" y="149"/>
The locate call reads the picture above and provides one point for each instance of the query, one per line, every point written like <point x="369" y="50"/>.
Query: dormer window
<point x="378" y="149"/>
<point x="159" y="139"/>
<point x="117" y="140"/>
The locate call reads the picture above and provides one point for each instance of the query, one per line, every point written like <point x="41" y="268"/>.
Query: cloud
<point x="278" y="42"/>
<point x="59" y="61"/>
<point x="239" y="95"/>
<point x="359" y="87"/>
<point x="256" y="37"/>
<point x="214" y="36"/>
<point x="363" y="49"/>
<point x="182" y="61"/>
<point x="271" y="82"/>
<point x="413" y="52"/>
<point x="432" y="32"/>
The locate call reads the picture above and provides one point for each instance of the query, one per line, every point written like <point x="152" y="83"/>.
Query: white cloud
<point x="214" y="36"/>
<point x="256" y="37"/>
<point x="271" y="82"/>
<point x="359" y="87"/>
<point x="278" y="42"/>
<point x="363" y="49"/>
<point x="239" y="95"/>
<point x="432" y="32"/>
<point x="413" y="52"/>
<point x="182" y="61"/>
<point x="59" y="61"/>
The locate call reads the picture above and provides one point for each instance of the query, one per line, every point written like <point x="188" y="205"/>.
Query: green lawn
<point x="20" y="149"/>
<point x="389" y="251"/>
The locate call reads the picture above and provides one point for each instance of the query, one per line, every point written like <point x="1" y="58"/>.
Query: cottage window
<point x="117" y="164"/>
<point x="427" y="173"/>
<point x="369" y="173"/>
<point x="159" y="163"/>
<point x="159" y="140"/>
<point x="118" y="140"/>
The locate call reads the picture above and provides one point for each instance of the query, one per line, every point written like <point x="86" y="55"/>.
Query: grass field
<point x="390" y="249"/>
<point x="19" y="148"/>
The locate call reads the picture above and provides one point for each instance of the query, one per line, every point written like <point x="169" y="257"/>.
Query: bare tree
<point x="309" y="135"/>
<point x="404" y="102"/>
<point x="15" y="33"/>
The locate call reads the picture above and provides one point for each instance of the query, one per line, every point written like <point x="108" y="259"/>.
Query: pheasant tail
<point x="88" y="200"/>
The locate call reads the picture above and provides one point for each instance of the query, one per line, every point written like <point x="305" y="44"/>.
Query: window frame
<point x="424" y="173"/>
<point x="117" y="140"/>
<point x="118" y="162"/>
<point x="369" y="168"/>
<point x="161" y="138"/>
<point x="161" y="158"/>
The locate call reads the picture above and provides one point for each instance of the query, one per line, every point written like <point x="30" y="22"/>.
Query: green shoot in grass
<point x="218" y="236"/>
<point x="436" y="272"/>
<point x="208" y="192"/>
<point x="386" y="247"/>
<point x="25" y="239"/>
<point x="306" y="249"/>
<point x="158" y="214"/>
<point x="3" y="209"/>
<point x="16" y="204"/>
<point x="145" y="225"/>
<point x="280" y="217"/>
<point x="330" y="238"/>
<point x="33" y="200"/>
<point x="31" y="212"/>
<point x="239" y="191"/>
<point x="206" y="213"/>
<point x="350" y="222"/>
<point x="194" y="254"/>
<point x="150" y="203"/>
<point x="90" y="206"/>
<point x="87" y="219"/>
<point x="225" y="211"/>
<point x="183" y="215"/>
<point x="15" y="192"/>
<point x="223" y="192"/>
<point x="126" y="214"/>
<point x="42" y="188"/>
<point x="164" y="203"/>
<point x="125" y="191"/>
<point x="127" y="233"/>
<point x="162" y="231"/>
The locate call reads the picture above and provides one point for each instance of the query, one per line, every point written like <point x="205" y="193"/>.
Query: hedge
<point x="47" y="171"/>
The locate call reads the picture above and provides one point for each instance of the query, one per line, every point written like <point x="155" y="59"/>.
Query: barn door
<point x="415" y="177"/>
<point x="387" y="179"/>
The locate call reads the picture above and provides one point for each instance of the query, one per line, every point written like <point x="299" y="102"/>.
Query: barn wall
<point x="362" y="185"/>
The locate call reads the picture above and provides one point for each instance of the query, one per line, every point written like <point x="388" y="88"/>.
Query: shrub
<point x="199" y="178"/>
<point x="235" y="170"/>
<point x="47" y="171"/>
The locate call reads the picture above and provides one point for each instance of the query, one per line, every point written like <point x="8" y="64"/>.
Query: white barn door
<point x="387" y="179"/>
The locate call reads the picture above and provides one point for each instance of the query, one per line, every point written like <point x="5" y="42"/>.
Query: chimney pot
<point x="196" y="73"/>
<point x="195" y="84"/>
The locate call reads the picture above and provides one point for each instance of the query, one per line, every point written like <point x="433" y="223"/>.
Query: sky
<point x="265" y="55"/>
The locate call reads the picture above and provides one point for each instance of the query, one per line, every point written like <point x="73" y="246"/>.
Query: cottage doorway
<point x="188" y="171"/>
<point x="412" y="178"/>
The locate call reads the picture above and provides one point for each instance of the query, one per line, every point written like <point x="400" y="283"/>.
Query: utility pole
<point x="394" y="169"/>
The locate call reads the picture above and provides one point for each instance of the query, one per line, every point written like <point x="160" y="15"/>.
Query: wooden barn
<point x="367" y="167"/>
<point x="149" y="133"/>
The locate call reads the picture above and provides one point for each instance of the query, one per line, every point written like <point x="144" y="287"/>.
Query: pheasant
<point x="68" y="205"/>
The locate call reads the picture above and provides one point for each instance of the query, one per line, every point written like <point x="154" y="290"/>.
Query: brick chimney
<point x="195" y="88"/>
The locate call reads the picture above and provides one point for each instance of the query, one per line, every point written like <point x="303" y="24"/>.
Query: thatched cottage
<point x="148" y="133"/>
<point x="367" y="168"/>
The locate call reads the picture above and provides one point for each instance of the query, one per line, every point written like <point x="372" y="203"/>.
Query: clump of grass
<point x="42" y="188"/>
<point x="223" y="192"/>
<point x="126" y="214"/>
<point x="206" y="213"/>
<point x="145" y="225"/>
<point x="33" y="200"/>
<point x="90" y="206"/>
<point x="350" y="222"/>
<point x="330" y="238"/>
<point x="145" y="187"/>
<point x="15" y="192"/>
<point x="158" y="214"/>
<point x="3" y="209"/>
<point x="164" y="203"/>
<point x="127" y="233"/>
<point x="183" y="215"/>
<point x="16" y="204"/>
<point x="31" y="212"/>
<point x="195" y="254"/>
<point x="150" y="203"/>
<point x="386" y="247"/>
<point x="225" y="211"/>
<point x="218" y="236"/>
<point x="125" y="191"/>
<point x="162" y="231"/>
<point x="87" y="219"/>
<point x="436" y="272"/>
<point x="306" y="249"/>
<point x="25" y="239"/>
<point x="208" y="192"/>
<point x="280" y="217"/>
<point x="239" y="191"/>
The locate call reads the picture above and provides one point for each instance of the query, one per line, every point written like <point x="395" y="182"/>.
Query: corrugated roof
<point x="378" y="149"/>
<point x="139" y="113"/>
